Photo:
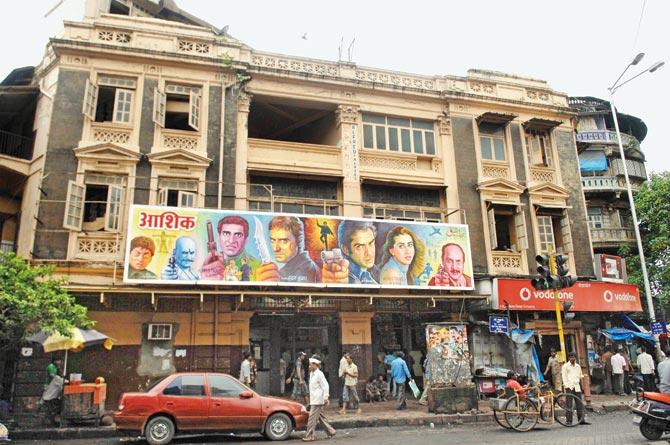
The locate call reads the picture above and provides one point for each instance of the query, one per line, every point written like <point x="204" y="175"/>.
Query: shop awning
<point x="593" y="161"/>
<point x="538" y="124"/>
<point x="496" y="118"/>
<point x="627" y="321"/>
<point x="622" y="334"/>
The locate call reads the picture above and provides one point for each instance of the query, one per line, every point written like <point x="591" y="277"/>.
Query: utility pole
<point x="559" y="322"/>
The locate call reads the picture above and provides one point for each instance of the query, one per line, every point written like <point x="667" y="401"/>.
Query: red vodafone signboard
<point x="586" y="296"/>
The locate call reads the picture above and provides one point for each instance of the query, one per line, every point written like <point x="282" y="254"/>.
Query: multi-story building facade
<point x="608" y="207"/>
<point x="151" y="106"/>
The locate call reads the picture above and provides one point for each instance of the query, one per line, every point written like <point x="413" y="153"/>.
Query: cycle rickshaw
<point x="522" y="412"/>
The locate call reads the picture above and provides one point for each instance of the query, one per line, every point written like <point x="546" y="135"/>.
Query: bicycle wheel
<point x="499" y="417"/>
<point x="568" y="409"/>
<point x="521" y="414"/>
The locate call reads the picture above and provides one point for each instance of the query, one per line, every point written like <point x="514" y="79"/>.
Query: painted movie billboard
<point x="175" y="245"/>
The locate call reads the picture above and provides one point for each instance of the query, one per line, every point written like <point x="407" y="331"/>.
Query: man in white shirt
<point x="318" y="400"/>
<point x="245" y="369"/>
<point x="646" y="365"/>
<point x="618" y="365"/>
<point x="664" y="374"/>
<point x="571" y="375"/>
<point x="340" y="373"/>
<point x="350" y="381"/>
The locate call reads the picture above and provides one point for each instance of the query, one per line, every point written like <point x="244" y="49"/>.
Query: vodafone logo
<point x="525" y="294"/>
<point x="608" y="296"/>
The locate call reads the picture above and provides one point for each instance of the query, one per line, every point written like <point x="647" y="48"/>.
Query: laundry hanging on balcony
<point x="593" y="161"/>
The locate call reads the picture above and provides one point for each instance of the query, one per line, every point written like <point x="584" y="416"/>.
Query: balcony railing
<point x="606" y="183"/>
<point x="403" y="213"/>
<point x="98" y="246"/>
<point x="607" y="137"/>
<point x="495" y="170"/>
<point x="15" y="145"/>
<point x="613" y="234"/>
<point x="287" y="204"/>
<point x="508" y="263"/>
<point x="7" y="246"/>
<point x="543" y="174"/>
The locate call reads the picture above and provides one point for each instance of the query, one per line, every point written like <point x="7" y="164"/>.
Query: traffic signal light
<point x="544" y="281"/>
<point x="567" y="315"/>
<point x="563" y="270"/>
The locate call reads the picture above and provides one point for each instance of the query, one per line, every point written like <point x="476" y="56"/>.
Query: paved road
<point x="609" y="429"/>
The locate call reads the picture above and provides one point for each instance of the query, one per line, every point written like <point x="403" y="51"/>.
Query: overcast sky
<point x="578" y="46"/>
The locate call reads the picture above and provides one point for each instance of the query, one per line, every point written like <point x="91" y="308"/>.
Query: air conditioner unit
<point x="159" y="331"/>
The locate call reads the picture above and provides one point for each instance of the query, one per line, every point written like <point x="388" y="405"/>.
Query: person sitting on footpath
<point x="383" y="387"/>
<point x="372" y="392"/>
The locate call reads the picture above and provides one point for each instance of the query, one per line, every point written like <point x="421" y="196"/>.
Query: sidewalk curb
<point x="110" y="431"/>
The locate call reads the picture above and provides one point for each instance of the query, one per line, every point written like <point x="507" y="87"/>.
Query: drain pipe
<point x="222" y="136"/>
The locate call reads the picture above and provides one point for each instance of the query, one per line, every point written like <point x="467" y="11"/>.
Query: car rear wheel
<point x="278" y="427"/>
<point x="159" y="431"/>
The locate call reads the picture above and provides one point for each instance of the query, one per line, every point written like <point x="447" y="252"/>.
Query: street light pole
<point x="636" y="224"/>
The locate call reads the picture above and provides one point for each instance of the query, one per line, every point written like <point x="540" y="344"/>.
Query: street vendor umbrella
<point x="76" y="341"/>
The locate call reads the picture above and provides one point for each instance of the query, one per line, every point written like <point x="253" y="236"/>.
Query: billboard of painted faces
<point x="208" y="246"/>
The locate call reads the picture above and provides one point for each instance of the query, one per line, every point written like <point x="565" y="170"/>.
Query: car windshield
<point x="153" y="385"/>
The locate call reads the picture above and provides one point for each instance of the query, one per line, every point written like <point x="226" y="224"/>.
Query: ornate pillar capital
<point x="347" y="114"/>
<point x="444" y="123"/>
<point x="243" y="101"/>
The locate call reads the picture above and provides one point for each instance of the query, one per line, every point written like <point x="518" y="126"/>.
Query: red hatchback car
<point x="201" y="402"/>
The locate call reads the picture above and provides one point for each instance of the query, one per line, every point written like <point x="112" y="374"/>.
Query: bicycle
<point x="522" y="412"/>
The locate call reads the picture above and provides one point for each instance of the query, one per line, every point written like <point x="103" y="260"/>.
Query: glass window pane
<point x="430" y="142"/>
<point x="192" y="385"/>
<point x="173" y="388"/>
<point x="486" y="147"/>
<point x="374" y="119"/>
<point x="499" y="146"/>
<point x="381" y="137"/>
<point x="222" y="386"/>
<point x="393" y="139"/>
<point x="368" y="141"/>
<point x="398" y="122"/>
<point x="406" y="143"/>
<point x="418" y="141"/>
<point x="424" y="125"/>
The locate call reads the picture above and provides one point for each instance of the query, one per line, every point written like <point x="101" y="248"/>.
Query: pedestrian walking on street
<point x="300" y="391"/>
<point x="245" y="369"/>
<point x="646" y="364"/>
<point x="606" y="358"/>
<point x="553" y="370"/>
<point x="282" y="374"/>
<point x="426" y="383"/>
<point x="571" y="374"/>
<point x="618" y="366"/>
<point x="318" y="395"/>
<point x="253" y="372"/>
<point x="627" y="370"/>
<point x="400" y="374"/>
<point x="350" y="381"/>
<point x="664" y="374"/>
<point x="340" y="373"/>
<point x="389" y="377"/>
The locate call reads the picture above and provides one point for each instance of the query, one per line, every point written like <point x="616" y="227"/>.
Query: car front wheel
<point x="278" y="427"/>
<point x="159" y="431"/>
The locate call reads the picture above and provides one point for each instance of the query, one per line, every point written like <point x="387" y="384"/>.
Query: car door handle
<point x="170" y="404"/>
<point x="217" y="404"/>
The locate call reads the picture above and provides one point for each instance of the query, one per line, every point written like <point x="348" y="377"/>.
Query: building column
<point x="356" y="338"/>
<point x="234" y="333"/>
<point x="449" y="165"/>
<point x="241" y="150"/>
<point x="348" y="121"/>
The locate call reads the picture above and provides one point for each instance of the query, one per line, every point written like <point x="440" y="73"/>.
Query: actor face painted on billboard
<point x="142" y="251"/>
<point x="361" y="249"/>
<point x="179" y="264"/>
<point x="232" y="238"/>
<point x="284" y="244"/>
<point x="453" y="261"/>
<point x="140" y="257"/>
<point x="403" y="249"/>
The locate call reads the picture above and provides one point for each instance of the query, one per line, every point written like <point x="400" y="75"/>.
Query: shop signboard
<point x="498" y="324"/>
<point x="610" y="268"/>
<point x="586" y="296"/>
<point x="175" y="245"/>
<point x="657" y="327"/>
